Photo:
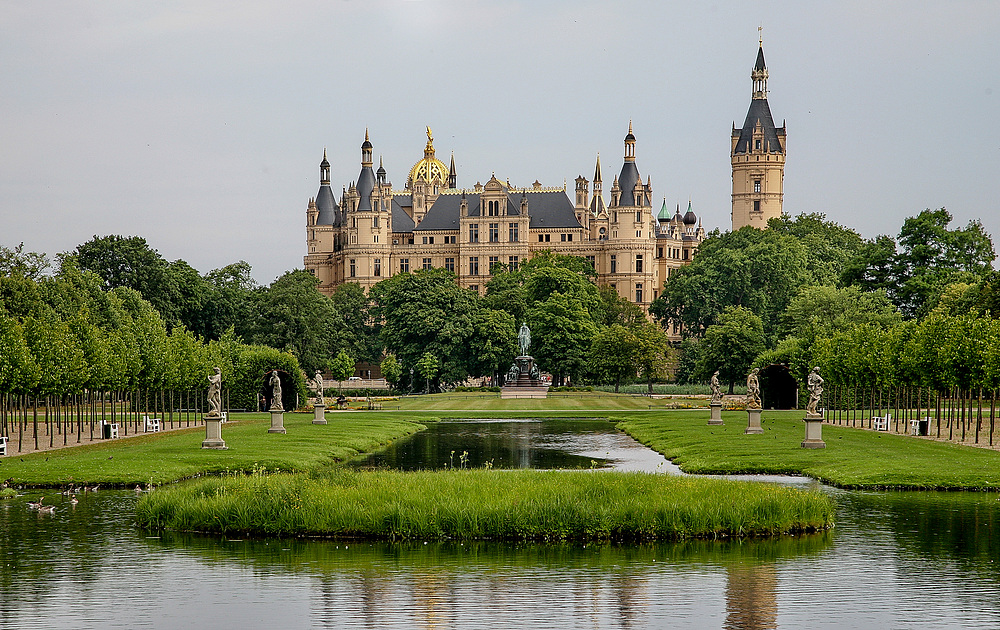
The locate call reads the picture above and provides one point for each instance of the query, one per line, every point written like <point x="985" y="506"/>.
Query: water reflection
<point x="532" y="443"/>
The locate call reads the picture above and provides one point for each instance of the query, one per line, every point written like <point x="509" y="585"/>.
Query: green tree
<point x="561" y="334"/>
<point x="427" y="367"/>
<point x="296" y="317"/>
<point x="828" y="245"/>
<point x="342" y="366"/>
<point x="391" y="370"/>
<point x="731" y="345"/>
<point x="493" y="343"/>
<point x="654" y="354"/>
<point x="613" y="355"/>
<point x="21" y="264"/>
<point x="361" y="337"/>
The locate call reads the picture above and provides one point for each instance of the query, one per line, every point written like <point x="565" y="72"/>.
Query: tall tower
<point x="758" y="158"/>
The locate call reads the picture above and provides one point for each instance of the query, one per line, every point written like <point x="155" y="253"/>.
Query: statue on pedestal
<point x="318" y="383"/>
<point x="215" y="394"/>
<point x="275" y="383"/>
<point x="815" y="383"/>
<point x="524" y="339"/>
<point x="716" y="388"/>
<point x="513" y="373"/>
<point x="753" y="390"/>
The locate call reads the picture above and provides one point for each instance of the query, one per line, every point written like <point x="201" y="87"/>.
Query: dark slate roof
<point x="366" y="184"/>
<point x="689" y="217"/>
<point x="401" y="221"/>
<point x="547" y="209"/>
<point x="759" y="111"/>
<point x="626" y="182"/>
<point x="326" y="203"/>
<point x="760" y="60"/>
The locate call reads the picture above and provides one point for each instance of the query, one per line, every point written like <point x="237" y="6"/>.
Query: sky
<point x="200" y="125"/>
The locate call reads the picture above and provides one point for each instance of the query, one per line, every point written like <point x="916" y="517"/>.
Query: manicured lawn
<point x="485" y="504"/>
<point x="568" y="401"/>
<point x="853" y="458"/>
<point x="164" y="457"/>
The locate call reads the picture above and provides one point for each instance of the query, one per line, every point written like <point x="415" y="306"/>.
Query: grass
<point x="484" y="504"/>
<point x="853" y="458"/>
<point x="163" y="457"/>
<point x="559" y="401"/>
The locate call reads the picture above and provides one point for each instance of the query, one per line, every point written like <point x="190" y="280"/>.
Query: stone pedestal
<point x="213" y="433"/>
<point x="753" y="424"/>
<point x="814" y="431"/>
<point x="277" y="422"/>
<point x="716" y="417"/>
<point x="320" y="417"/>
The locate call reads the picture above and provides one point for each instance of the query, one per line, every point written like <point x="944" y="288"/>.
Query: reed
<point x="484" y="504"/>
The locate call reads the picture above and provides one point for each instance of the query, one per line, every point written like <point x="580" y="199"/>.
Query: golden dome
<point x="429" y="168"/>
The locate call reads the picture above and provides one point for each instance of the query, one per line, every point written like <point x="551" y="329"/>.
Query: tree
<point x="613" y="355"/>
<point x="231" y="301"/>
<point x="18" y="263"/>
<point x="493" y="342"/>
<point x="342" y="366"/>
<point x="828" y="245"/>
<point x="427" y="367"/>
<point x="731" y="345"/>
<point x="391" y="370"/>
<point x="654" y="354"/>
<point x="617" y="310"/>
<point x="360" y="335"/>
<point x="296" y="317"/>
<point x="562" y="331"/>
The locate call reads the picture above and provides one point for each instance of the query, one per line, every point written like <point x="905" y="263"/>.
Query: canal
<point x="895" y="560"/>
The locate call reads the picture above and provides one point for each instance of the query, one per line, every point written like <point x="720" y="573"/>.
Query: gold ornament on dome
<point x="430" y="168"/>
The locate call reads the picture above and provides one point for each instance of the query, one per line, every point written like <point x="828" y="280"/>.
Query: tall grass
<point x="485" y="504"/>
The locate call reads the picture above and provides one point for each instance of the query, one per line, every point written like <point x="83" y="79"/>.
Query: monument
<point x="753" y="403"/>
<point x="523" y="377"/>
<point x="213" y="419"/>
<point x="814" y="419"/>
<point x="277" y="410"/>
<point x="320" y="406"/>
<point x="716" y="403"/>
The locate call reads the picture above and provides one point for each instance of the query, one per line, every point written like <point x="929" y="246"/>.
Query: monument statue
<point x="753" y="390"/>
<point x="318" y="383"/>
<point x="215" y="394"/>
<point x="513" y="373"/>
<point x="524" y="339"/>
<point x="534" y="373"/>
<point x="815" y="383"/>
<point x="275" y="383"/>
<point x="716" y="388"/>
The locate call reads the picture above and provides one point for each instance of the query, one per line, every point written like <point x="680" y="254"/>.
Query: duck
<point x="46" y="509"/>
<point x="138" y="489"/>
<point x="35" y="506"/>
<point x="73" y="500"/>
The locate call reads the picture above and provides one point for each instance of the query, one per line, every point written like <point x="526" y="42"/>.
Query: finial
<point x="366" y="134"/>
<point x="380" y="161"/>
<point x="760" y="35"/>
<point x="430" y="136"/>
<point x="630" y="125"/>
<point x="324" y="153"/>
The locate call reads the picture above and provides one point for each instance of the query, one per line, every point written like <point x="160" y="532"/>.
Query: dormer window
<point x="756" y="144"/>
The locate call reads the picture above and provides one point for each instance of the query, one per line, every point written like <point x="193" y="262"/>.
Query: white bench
<point x="114" y="429"/>
<point x="881" y="423"/>
<point x="225" y="416"/>
<point x="3" y="445"/>
<point x="150" y="424"/>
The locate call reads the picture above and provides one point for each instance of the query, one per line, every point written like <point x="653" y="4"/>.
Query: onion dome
<point x="689" y="216"/>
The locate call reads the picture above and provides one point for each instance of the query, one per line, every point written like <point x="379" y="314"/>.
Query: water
<point x="895" y="560"/>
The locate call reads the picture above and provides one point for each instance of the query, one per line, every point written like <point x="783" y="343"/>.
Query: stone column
<point x="814" y="431"/>
<point x="716" y="413"/>
<point x="753" y="425"/>
<point x="277" y="422"/>
<point x="213" y="433"/>
<point x="320" y="417"/>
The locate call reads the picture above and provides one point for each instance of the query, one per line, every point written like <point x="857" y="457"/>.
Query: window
<point x="493" y="208"/>
<point x="377" y="266"/>
<point x="638" y="292"/>
<point x="513" y="263"/>
<point x="569" y="237"/>
<point x="615" y="218"/>
<point x="562" y="237"/>
<point x="655" y="292"/>
<point x="593" y="261"/>
<point x="638" y="263"/>
<point x="494" y="232"/>
<point x="473" y="265"/>
<point x="354" y="269"/>
<point x="638" y="216"/>
<point x="354" y="222"/>
<point x="614" y="263"/>
<point x="756" y="144"/>
<point x="375" y="222"/>
<point x="494" y="261"/>
<point x="756" y="185"/>
<point x="449" y="240"/>
<point x="427" y="263"/>
<point x="756" y="205"/>
<point x="686" y="254"/>
<point x="638" y="233"/>
<point x="449" y="264"/>
<point x="544" y="238"/>
<point x="474" y="233"/>
<point x="512" y="232"/>
<point x="474" y="287"/>
<point x="404" y="265"/>
<point x="612" y="285"/>
<point x="603" y="232"/>
<point x="374" y="238"/>
<point x="659" y="252"/>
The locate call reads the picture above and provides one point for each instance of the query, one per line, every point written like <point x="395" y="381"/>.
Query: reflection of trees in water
<point x="751" y="600"/>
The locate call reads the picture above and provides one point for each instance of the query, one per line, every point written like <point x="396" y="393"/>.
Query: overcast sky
<point x="200" y="125"/>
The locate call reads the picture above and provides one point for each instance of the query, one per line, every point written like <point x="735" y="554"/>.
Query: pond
<point x="895" y="560"/>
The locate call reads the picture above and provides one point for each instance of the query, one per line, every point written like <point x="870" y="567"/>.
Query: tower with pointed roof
<point x="758" y="157"/>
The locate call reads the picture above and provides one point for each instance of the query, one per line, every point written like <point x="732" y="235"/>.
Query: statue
<point x="815" y="383"/>
<point x="524" y="339"/>
<point x="513" y="373"/>
<point x="534" y="373"/>
<point x="215" y="394"/>
<point x="275" y="383"/>
<point x="716" y="388"/>
<point x="318" y="382"/>
<point x="753" y="390"/>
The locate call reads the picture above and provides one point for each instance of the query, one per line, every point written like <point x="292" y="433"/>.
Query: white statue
<point x="275" y="383"/>
<point x="815" y="383"/>
<point x="318" y="382"/>
<point x="716" y="388"/>
<point x="524" y="339"/>
<point x="215" y="394"/>
<point x="753" y="390"/>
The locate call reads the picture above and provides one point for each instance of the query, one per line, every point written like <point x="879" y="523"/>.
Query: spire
<point x="630" y="144"/>
<point x="366" y="151"/>
<point x="452" y="174"/>
<point x="759" y="74"/>
<point x="597" y="170"/>
<point x="324" y="170"/>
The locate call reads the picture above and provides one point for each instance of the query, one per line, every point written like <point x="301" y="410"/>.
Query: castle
<point x="376" y="231"/>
